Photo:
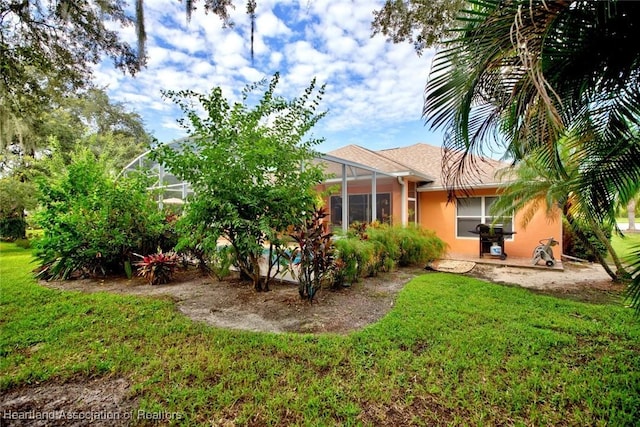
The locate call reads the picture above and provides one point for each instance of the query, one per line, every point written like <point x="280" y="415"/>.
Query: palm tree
<point x="520" y="74"/>
<point x="532" y="186"/>
<point x="631" y="214"/>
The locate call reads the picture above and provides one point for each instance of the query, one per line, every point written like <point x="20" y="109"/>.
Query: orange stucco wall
<point x="437" y="215"/>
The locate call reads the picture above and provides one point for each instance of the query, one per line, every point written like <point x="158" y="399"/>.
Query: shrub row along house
<point x="406" y="185"/>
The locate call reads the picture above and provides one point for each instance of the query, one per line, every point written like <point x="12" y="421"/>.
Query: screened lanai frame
<point x="172" y="190"/>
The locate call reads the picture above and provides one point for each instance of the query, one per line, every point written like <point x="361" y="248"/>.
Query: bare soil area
<point x="98" y="402"/>
<point x="579" y="281"/>
<point x="234" y="304"/>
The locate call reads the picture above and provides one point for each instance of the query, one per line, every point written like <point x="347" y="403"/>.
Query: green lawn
<point x="627" y="245"/>
<point x="453" y="350"/>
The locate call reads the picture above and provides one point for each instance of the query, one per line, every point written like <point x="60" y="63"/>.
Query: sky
<point x="374" y="88"/>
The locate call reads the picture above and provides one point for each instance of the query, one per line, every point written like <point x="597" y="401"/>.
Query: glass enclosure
<point x="361" y="186"/>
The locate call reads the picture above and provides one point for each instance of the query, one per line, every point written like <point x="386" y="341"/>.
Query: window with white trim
<point x="412" y="205"/>
<point x="471" y="211"/>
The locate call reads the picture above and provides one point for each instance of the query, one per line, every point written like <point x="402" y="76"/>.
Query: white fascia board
<point x="426" y="189"/>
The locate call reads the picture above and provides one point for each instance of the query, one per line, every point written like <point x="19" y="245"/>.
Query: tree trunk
<point x="631" y="214"/>
<point x="621" y="273"/>
<point x="253" y="268"/>
<point x="580" y="235"/>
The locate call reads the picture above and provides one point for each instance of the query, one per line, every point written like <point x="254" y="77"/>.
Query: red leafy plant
<point x="157" y="268"/>
<point x="315" y="254"/>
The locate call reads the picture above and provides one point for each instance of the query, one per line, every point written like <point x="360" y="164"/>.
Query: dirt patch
<point x="234" y="304"/>
<point x="578" y="281"/>
<point x="100" y="402"/>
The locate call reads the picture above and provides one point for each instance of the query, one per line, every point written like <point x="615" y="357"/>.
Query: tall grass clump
<point x="366" y="251"/>
<point x="357" y="258"/>
<point x="408" y="245"/>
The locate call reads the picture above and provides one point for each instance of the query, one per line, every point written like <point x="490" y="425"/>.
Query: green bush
<point x="573" y="246"/>
<point x="410" y="245"/>
<point x="93" y="224"/>
<point x="22" y="243"/>
<point x="13" y="228"/>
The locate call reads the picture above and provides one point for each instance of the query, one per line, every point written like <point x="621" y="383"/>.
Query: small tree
<point x="15" y="196"/>
<point x="252" y="172"/>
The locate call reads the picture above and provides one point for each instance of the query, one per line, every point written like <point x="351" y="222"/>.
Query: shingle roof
<point x="378" y="161"/>
<point x="369" y="158"/>
<point x="422" y="158"/>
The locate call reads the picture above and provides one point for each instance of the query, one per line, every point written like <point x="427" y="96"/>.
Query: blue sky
<point x="374" y="91"/>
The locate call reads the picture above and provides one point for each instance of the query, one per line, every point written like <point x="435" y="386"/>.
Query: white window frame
<point x="412" y="190"/>
<point x="484" y="219"/>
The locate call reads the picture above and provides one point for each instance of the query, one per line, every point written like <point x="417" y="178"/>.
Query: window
<point x="360" y="208"/>
<point x="412" y="205"/>
<point x="472" y="211"/>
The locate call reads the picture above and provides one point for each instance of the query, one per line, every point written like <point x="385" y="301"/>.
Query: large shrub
<point x="15" y="197"/>
<point x="93" y="223"/>
<point x="408" y="245"/>
<point x="365" y="251"/>
<point x="12" y="228"/>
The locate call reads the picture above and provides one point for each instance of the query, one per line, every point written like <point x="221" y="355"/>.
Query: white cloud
<point x="373" y="87"/>
<point x="269" y="25"/>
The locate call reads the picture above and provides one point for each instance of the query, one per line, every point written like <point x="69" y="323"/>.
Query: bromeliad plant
<point x="157" y="268"/>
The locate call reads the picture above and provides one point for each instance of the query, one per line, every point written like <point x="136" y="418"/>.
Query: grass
<point x="454" y="350"/>
<point x="627" y="245"/>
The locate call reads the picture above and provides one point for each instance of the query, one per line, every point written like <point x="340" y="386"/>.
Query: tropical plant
<point x="250" y="167"/>
<point x="157" y="268"/>
<point x="93" y="223"/>
<point x="526" y="74"/>
<point x="314" y="254"/>
<point x="531" y="186"/>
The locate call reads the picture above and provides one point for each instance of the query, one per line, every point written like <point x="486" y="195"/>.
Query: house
<point x="405" y="185"/>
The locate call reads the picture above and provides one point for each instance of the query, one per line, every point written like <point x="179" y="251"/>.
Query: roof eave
<point x="427" y="188"/>
<point x="418" y="176"/>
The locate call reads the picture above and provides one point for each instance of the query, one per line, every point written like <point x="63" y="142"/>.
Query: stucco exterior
<point x="420" y="165"/>
<point x="438" y="215"/>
